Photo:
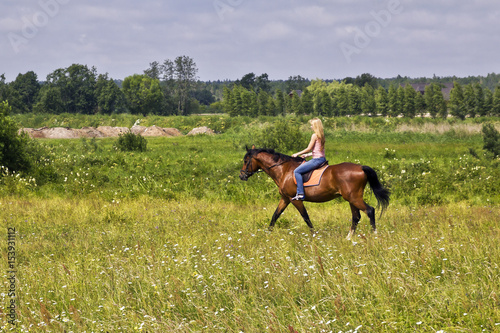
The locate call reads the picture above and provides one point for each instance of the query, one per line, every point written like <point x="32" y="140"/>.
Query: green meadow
<point x="170" y="240"/>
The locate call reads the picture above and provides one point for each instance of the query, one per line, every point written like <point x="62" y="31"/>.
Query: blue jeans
<point x="305" y="168"/>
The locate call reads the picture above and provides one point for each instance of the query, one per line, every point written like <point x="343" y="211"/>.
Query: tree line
<point x="172" y="88"/>
<point x="167" y="89"/>
<point x="348" y="99"/>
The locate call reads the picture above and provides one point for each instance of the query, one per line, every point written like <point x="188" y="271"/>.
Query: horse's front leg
<point x="281" y="207"/>
<point x="303" y="212"/>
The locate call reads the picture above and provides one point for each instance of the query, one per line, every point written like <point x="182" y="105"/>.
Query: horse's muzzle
<point x="243" y="176"/>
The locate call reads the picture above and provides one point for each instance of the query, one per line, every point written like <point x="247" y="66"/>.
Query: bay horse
<point x="345" y="179"/>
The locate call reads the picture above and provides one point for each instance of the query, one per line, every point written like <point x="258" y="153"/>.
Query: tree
<point x="469" y="101"/>
<point x="76" y="84"/>
<point x="457" y="101"/>
<point x="342" y="100"/>
<point x="204" y="96"/>
<point x="439" y="102"/>
<point x="280" y="102"/>
<point x="143" y="94"/>
<point x="364" y="79"/>
<point x="368" y="104"/>
<point x="488" y="102"/>
<point x="392" y="96"/>
<point x="110" y="98"/>
<point x="296" y="83"/>
<point x="435" y="101"/>
<point x="409" y="108"/>
<point x="354" y="100"/>
<point x="479" y="95"/>
<point x="495" y="110"/>
<point x="27" y="86"/>
<point x="8" y="93"/>
<point x="307" y="102"/>
<point x="179" y="78"/>
<point x="326" y="105"/>
<point x="262" y="83"/>
<point x="227" y="102"/>
<point x="247" y="81"/>
<point x="154" y="71"/>
<point x="296" y="104"/>
<point x="400" y="101"/>
<point x="185" y="73"/>
<point x="381" y="101"/>
<point x="419" y="104"/>
<point x="50" y="100"/>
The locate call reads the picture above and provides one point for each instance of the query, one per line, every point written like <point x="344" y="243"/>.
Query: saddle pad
<point x="315" y="176"/>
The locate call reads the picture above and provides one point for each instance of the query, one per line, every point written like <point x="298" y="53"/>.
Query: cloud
<point x="230" y="38"/>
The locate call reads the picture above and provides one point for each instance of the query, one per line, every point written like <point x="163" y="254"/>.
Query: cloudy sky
<point x="328" y="39"/>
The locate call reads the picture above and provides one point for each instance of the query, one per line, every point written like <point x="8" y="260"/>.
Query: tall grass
<point x="169" y="240"/>
<point x="152" y="265"/>
<point x="419" y="168"/>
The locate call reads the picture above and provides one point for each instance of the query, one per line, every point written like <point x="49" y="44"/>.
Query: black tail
<point x="380" y="192"/>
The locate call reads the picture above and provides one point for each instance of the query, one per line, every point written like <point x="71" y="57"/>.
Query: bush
<point x="14" y="152"/>
<point x="491" y="139"/>
<point x="283" y="136"/>
<point x="131" y="142"/>
<point x="22" y="156"/>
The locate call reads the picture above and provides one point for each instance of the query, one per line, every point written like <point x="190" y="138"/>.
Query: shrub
<point x="283" y="136"/>
<point x="19" y="154"/>
<point x="131" y="142"/>
<point x="13" y="146"/>
<point x="491" y="139"/>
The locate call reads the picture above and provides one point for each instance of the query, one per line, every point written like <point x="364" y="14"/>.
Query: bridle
<point x="249" y="173"/>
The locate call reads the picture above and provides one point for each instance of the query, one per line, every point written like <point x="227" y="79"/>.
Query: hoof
<point x="270" y="228"/>
<point x="349" y="235"/>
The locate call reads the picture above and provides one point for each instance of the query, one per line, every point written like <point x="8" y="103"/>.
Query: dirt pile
<point x="99" y="132"/>
<point x="201" y="130"/>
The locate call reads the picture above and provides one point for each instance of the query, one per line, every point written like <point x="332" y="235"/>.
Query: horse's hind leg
<point x="356" y="216"/>
<point x="281" y="207"/>
<point x="370" y="212"/>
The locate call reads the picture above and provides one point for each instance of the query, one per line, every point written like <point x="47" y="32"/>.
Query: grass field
<point x="171" y="241"/>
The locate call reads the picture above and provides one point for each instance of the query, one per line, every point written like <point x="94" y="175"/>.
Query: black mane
<point x="277" y="157"/>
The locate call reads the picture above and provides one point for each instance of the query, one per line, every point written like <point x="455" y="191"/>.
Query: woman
<point x="316" y="148"/>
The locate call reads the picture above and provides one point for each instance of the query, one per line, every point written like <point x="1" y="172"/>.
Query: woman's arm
<point x="309" y="147"/>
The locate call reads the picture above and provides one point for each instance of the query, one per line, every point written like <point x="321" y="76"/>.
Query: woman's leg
<point x="305" y="168"/>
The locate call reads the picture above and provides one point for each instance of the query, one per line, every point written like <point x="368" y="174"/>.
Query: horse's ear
<point x="253" y="146"/>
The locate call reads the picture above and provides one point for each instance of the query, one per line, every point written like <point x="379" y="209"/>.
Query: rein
<point x="262" y="170"/>
<point x="272" y="166"/>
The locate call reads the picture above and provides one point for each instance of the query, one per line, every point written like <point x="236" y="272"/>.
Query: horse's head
<point x="249" y="165"/>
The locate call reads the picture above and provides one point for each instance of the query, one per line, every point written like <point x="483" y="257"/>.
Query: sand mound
<point x="51" y="133"/>
<point x="138" y="129"/>
<point x="89" y="132"/>
<point x="108" y="131"/>
<point x="172" y="131"/>
<point x="201" y="130"/>
<point x="101" y="132"/>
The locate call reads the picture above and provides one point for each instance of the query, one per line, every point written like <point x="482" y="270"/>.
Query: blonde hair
<point x="317" y="127"/>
